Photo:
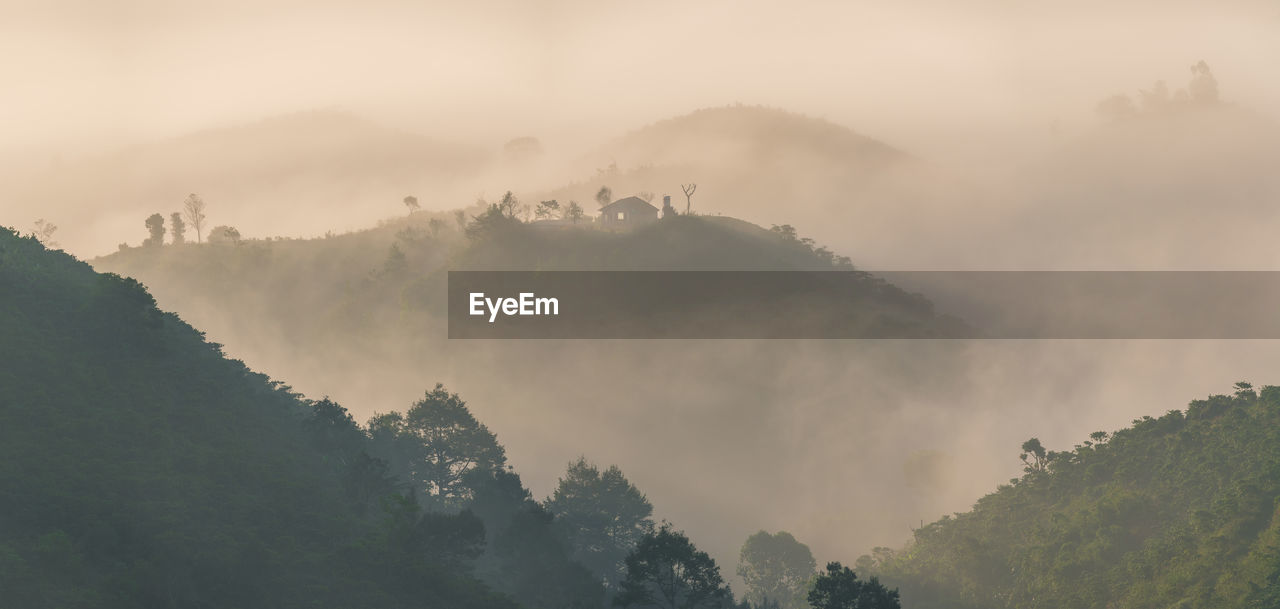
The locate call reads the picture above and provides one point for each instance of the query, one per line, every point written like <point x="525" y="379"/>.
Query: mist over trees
<point x="435" y="446"/>
<point x="178" y="227"/>
<point x="666" y="571"/>
<point x="193" y="210"/>
<point x="777" y="570"/>
<point x="1200" y="92"/>
<point x="602" y="516"/>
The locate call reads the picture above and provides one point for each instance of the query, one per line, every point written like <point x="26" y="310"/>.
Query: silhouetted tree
<point x="573" y="211"/>
<point x="178" y="227"/>
<point x="1117" y="107"/>
<point x="155" y="225"/>
<point x="193" y="209"/>
<point x="602" y="515"/>
<point x="1155" y="99"/>
<point x="688" y="195"/>
<point x="44" y="233"/>
<point x="1203" y="88"/>
<point x="509" y="205"/>
<point x="460" y="218"/>
<point x="524" y="556"/>
<point x="776" y="568"/>
<point x="839" y="588"/>
<point x="547" y="209"/>
<point x="494" y="221"/>
<point x="435" y="225"/>
<point x="1034" y="456"/>
<point x="412" y="203"/>
<point x="666" y="571"/>
<point x="604" y="196"/>
<point x="435" y="444"/>
<point x="224" y="234"/>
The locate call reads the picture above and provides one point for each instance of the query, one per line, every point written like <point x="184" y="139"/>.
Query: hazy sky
<point x="920" y="74"/>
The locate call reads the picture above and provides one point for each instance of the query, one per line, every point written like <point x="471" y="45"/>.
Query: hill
<point x="360" y="317"/>
<point x="139" y="467"/>
<point x="770" y="166"/>
<point x="1176" y="511"/>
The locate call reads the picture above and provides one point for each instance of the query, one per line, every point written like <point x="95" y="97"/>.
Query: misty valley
<point x="726" y="356"/>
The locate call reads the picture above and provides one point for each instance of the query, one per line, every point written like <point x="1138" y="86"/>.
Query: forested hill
<point x="139" y="467"/>
<point x="392" y="279"/>
<point x="1176" y="511"/>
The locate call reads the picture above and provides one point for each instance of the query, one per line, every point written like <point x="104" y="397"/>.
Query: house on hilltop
<point x="628" y="213"/>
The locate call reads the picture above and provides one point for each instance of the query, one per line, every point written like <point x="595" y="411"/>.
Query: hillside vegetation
<point x="1180" y="511"/>
<point x="139" y="467"/>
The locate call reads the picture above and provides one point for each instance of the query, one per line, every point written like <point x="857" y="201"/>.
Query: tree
<point x="573" y="211"/>
<point x="776" y="568"/>
<point x="493" y="222"/>
<point x="666" y="571"/>
<point x="645" y="196"/>
<point x="1204" y="87"/>
<point x="1117" y="107"/>
<point x="1034" y="456"/>
<point x="1155" y="99"/>
<point x="839" y="588"/>
<point x="602" y="515"/>
<point x="435" y="444"/>
<point x="460" y="218"/>
<point x="44" y="233"/>
<point x="524" y="556"/>
<point x="224" y="234"/>
<point x="155" y="224"/>
<point x="193" y="209"/>
<point x="435" y="225"/>
<point x="604" y="196"/>
<point x="412" y="203"/>
<point x="179" y="228"/>
<point x="688" y="195"/>
<point x="547" y="210"/>
<point x="509" y="205"/>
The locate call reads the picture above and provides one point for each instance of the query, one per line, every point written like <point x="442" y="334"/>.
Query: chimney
<point x="667" y="210"/>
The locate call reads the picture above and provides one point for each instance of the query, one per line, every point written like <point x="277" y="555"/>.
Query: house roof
<point x="629" y="203"/>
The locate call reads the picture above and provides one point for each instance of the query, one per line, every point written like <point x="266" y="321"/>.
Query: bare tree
<point x="44" y="233"/>
<point x="194" y="211"/>
<point x="688" y="195"/>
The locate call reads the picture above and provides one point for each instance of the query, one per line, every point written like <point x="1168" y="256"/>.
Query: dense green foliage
<point x="840" y="588"/>
<point x="1176" y="511"/>
<point x="139" y="467"/>
<point x="777" y="569"/>
<point x="666" y="571"/>
<point x="602" y="516"/>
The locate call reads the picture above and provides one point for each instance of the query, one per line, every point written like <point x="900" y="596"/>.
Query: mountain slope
<point x="1176" y="511"/>
<point x="141" y="468"/>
